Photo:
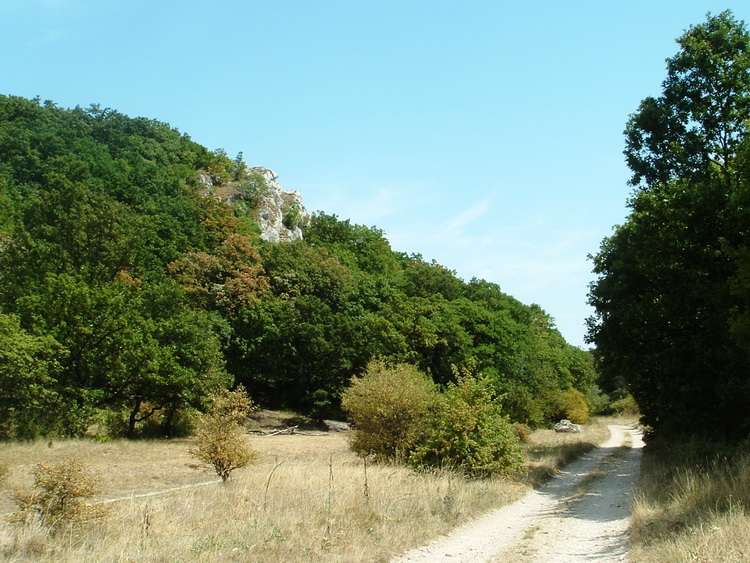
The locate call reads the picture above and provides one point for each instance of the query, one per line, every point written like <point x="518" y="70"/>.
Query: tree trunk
<point x="134" y="417"/>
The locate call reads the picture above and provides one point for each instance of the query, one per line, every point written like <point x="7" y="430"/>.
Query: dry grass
<point x="548" y="450"/>
<point x="126" y="467"/>
<point x="692" y="506"/>
<point x="308" y="498"/>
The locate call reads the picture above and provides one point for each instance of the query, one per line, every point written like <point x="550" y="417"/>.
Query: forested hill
<point x="128" y="294"/>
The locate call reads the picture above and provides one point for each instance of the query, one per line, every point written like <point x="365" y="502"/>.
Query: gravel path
<point x="580" y="515"/>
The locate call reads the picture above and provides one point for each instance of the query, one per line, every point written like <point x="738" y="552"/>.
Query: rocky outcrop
<point x="280" y="213"/>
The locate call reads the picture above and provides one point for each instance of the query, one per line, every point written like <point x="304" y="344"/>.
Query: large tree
<point x="701" y="115"/>
<point x="667" y="298"/>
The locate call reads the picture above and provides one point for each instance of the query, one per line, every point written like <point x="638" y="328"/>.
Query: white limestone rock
<point x="280" y="213"/>
<point x="566" y="426"/>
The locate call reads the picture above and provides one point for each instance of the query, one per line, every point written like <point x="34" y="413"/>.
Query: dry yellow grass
<point x="308" y="498"/>
<point x="550" y="450"/>
<point x="690" y="508"/>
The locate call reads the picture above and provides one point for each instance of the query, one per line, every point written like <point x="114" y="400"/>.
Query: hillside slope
<point x="140" y="271"/>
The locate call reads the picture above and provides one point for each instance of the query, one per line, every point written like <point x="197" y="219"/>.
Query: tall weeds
<point x="693" y="504"/>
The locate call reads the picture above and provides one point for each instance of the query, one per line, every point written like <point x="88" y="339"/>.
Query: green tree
<point x="93" y="205"/>
<point x="702" y="113"/>
<point x="669" y="282"/>
<point x="123" y="345"/>
<point x="431" y="328"/>
<point x="664" y="306"/>
<point x="356" y="246"/>
<point x="29" y="366"/>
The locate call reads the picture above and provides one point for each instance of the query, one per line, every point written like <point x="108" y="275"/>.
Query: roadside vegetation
<point x="693" y="503"/>
<point x="672" y="298"/>
<point x="306" y="498"/>
<point x="672" y="301"/>
<point x="400" y="415"/>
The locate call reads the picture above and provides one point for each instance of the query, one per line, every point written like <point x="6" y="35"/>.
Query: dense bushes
<point x="468" y="432"/>
<point x="389" y="407"/>
<point x="398" y="414"/>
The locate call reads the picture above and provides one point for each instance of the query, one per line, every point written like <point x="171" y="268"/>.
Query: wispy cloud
<point x="456" y="224"/>
<point x="378" y="204"/>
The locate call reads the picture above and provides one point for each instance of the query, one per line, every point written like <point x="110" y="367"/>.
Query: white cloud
<point x="456" y="224"/>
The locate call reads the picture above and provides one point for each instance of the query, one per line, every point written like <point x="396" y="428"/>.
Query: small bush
<point x="469" y="433"/>
<point x="61" y="493"/>
<point x="388" y="406"/>
<point x="220" y="436"/>
<point x="291" y="216"/>
<point x="625" y="406"/>
<point x="522" y="432"/>
<point x="571" y="404"/>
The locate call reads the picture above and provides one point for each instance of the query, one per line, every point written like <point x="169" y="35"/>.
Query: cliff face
<point x="279" y="212"/>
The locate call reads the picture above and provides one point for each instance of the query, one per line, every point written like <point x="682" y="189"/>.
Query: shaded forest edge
<point x="672" y="300"/>
<point x="129" y="295"/>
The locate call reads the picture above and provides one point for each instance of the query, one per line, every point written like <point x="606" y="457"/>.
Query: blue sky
<point x="486" y="135"/>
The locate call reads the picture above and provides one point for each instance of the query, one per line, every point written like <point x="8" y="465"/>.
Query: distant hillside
<point x="140" y="271"/>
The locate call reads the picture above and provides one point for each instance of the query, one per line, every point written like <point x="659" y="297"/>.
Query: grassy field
<point x="692" y="505"/>
<point x="308" y="498"/>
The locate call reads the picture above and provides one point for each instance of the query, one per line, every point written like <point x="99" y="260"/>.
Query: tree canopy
<point x="671" y="297"/>
<point x="129" y="294"/>
<point x="697" y="123"/>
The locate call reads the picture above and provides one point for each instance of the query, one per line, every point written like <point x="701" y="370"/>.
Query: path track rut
<point x="580" y="515"/>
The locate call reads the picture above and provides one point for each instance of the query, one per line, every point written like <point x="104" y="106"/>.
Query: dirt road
<point x="581" y="515"/>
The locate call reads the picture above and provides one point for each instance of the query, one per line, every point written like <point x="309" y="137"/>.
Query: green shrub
<point x="522" y="432"/>
<point x="625" y="406"/>
<point x="60" y="496"/>
<point x="388" y="407"/>
<point x="468" y="432"/>
<point x="291" y="216"/>
<point x="572" y="404"/>
<point x="598" y="401"/>
<point x="221" y="440"/>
